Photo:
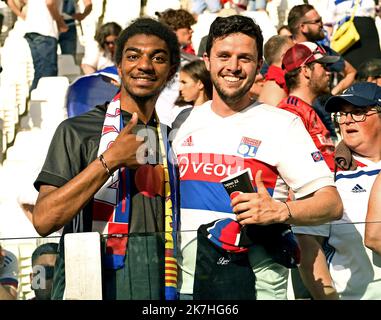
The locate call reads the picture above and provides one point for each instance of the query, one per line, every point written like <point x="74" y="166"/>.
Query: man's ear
<point x="260" y="64"/>
<point x="306" y="72"/>
<point x="119" y="70"/>
<point x="303" y="28"/>
<point x="205" y="57"/>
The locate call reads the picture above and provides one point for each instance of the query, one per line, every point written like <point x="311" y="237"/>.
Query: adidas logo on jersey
<point x="188" y="142"/>
<point x="357" y="188"/>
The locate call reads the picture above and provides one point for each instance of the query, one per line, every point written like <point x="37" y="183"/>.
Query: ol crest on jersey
<point x="248" y="147"/>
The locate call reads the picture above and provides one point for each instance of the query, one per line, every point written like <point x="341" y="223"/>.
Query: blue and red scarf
<point x="111" y="210"/>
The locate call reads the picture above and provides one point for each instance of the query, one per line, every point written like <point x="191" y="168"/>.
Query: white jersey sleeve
<point x="301" y="165"/>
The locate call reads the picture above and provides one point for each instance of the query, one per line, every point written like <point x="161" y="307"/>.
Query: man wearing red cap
<point x="306" y="24"/>
<point x="307" y="78"/>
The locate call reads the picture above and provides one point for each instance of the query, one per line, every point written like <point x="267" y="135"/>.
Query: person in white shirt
<point x="99" y="54"/>
<point x="355" y="269"/>
<point x="232" y="133"/>
<point x="373" y="218"/>
<point x="43" y="23"/>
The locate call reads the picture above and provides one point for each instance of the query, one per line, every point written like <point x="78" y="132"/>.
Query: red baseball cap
<point x="303" y="53"/>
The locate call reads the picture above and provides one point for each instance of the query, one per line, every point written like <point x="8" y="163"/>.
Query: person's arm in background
<point x="52" y="7"/>
<point x="313" y="268"/>
<point x="372" y="238"/>
<point x="349" y="74"/>
<point x="87" y="69"/>
<point x="343" y="67"/>
<point x="15" y="9"/>
<point x="91" y="57"/>
<point x="271" y="93"/>
<point x="86" y="11"/>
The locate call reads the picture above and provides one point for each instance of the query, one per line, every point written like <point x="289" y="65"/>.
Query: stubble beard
<point x="233" y="98"/>
<point x="143" y="99"/>
<point x="314" y="36"/>
<point x="319" y="87"/>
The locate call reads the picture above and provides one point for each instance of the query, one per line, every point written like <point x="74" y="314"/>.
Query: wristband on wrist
<point x="289" y="211"/>
<point x="104" y="164"/>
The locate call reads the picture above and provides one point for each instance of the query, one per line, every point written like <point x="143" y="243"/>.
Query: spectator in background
<point x="284" y="31"/>
<point x="195" y="84"/>
<point x="373" y="218"/>
<point x="306" y="24"/>
<point x="253" y="5"/>
<point x="274" y="88"/>
<point x="8" y="275"/>
<point x="195" y="89"/>
<point x="43" y="262"/>
<point x="180" y="21"/>
<point x="68" y="40"/>
<point x="18" y="7"/>
<point x="355" y="270"/>
<point x="99" y="54"/>
<point x="197" y="7"/>
<point x="43" y="23"/>
<point x="307" y="77"/>
<point x="369" y="44"/>
<point x="370" y="71"/>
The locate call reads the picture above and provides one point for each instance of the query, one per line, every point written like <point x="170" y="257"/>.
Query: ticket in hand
<point x="238" y="183"/>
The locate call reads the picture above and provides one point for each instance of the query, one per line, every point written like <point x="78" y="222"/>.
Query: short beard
<point x="236" y="97"/>
<point x="318" y="88"/>
<point x="313" y="37"/>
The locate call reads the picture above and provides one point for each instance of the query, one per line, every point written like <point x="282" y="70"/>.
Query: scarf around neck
<point x="112" y="203"/>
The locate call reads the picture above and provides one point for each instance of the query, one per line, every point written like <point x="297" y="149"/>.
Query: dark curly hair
<point x="105" y="30"/>
<point x="149" y="26"/>
<point x="176" y="19"/>
<point x="225" y="26"/>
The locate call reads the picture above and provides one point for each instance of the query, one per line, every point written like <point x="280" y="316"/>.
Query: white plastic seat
<point x="67" y="67"/>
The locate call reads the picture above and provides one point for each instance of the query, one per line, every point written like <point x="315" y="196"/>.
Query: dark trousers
<point x="44" y="55"/>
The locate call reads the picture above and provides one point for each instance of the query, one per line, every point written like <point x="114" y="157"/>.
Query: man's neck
<point x="298" y="38"/>
<point x="143" y="108"/>
<point x="305" y="95"/>
<point x="224" y="109"/>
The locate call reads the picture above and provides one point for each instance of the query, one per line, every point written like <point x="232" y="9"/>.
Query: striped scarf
<point x="111" y="210"/>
